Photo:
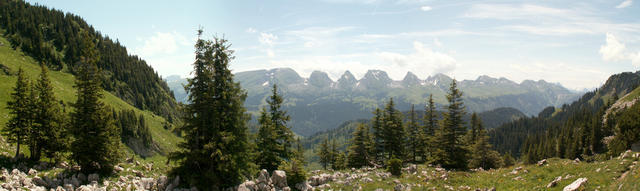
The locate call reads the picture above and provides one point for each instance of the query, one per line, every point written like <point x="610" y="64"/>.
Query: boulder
<point x="554" y="182"/>
<point x="264" y="177"/>
<point x="575" y="185"/>
<point x="304" y="186"/>
<point x="248" y="186"/>
<point x="542" y="162"/>
<point x="279" y="179"/>
<point x="162" y="182"/>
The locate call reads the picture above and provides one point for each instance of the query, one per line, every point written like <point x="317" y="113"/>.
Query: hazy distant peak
<point x="377" y="75"/>
<point x="411" y="79"/>
<point x="319" y="79"/>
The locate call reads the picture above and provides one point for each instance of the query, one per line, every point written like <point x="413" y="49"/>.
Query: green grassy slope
<point x="63" y="87"/>
<point x="605" y="175"/>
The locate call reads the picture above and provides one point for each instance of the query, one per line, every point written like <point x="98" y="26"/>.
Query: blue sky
<point x="575" y="43"/>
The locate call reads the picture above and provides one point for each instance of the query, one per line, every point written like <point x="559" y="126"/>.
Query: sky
<point x="578" y="44"/>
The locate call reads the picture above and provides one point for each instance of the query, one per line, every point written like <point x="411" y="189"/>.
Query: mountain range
<point x="318" y="103"/>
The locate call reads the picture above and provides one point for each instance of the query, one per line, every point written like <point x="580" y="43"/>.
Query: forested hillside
<point x="576" y="130"/>
<point x="53" y="37"/>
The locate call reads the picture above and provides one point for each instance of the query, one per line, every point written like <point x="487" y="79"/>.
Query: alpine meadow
<point x="319" y="95"/>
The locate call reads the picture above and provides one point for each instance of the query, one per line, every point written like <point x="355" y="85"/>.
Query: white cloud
<point x="625" y="4"/>
<point x="613" y="50"/>
<point x="635" y="59"/>
<point x="437" y="42"/>
<point x="251" y="30"/>
<point x="423" y="62"/>
<point x="573" y="77"/>
<point x="270" y="53"/>
<point x="317" y="36"/>
<point x="162" y="43"/>
<point x="167" y="52"/>
<point x="267" y="38"/>
<point x="425" y="8"/>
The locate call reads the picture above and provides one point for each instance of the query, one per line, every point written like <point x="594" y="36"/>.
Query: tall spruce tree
<point x="451" y="151"/>
<point x="97" y="139"/>
<point x="268" y="147"/>
<point x="430" y="122"/>
<point x="481" y="153"/>
<point x="476" y="126"/>
<point x="279" y="119"/>
<point x="358" y="155"/>
<point x="50" y="135"/>
<point x="21" y="114"/>
<point x="377" y="149"/>
<point x="415" y="136"/>
<point x="324" y="153"/>
<point x="214" y="152"/>
<point x="393" y="130"/>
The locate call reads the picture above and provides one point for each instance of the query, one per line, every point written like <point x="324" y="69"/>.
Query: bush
<point x="394" y="166"/>
<point x="295" y="172"/>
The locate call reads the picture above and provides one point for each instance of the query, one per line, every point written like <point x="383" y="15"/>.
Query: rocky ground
<point x="620" y="173"/>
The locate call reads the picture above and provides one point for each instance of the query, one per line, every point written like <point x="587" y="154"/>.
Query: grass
<point x="63" y="87"/>
<point x="632" y="95"/>
<point x="536" y="177"/>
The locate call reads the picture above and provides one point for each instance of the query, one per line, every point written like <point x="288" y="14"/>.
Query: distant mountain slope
<point x="52" y="37"/>
<point x="63" y="82"/>
<point x="618" y="90"/>
<point x="317" y="103"/>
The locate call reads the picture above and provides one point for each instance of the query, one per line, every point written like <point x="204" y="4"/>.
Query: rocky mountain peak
<point x="319" y="79"/>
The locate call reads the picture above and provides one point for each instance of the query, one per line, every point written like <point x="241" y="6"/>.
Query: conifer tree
<point x="21" y="115"/>
<point x="97" y="139"/>
<point x="324" y="153"/>
<point x="430" y="125"/>
<point x="476" y="126"/>
<point x="49" y="133"/>
<point x="300" y="153"/>
<point x="215" y="148"/>
<point x="481" y="153"/>
<point x="393" y="130"/>
<point x="415" y="137"/>
<point x="377" y="150"/>
<point x="268" y="148"/>
<point x="359" y="150"/>
<point x="451" y="151"/>
<point x="279" y="119"/>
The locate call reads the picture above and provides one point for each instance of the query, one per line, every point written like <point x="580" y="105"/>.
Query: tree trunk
<point x="17" y="149"/>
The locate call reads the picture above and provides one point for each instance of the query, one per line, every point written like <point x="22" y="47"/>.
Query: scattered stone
<point x="33" y="172"/>
<point x="575" y="185"/>
<point x="542" y="162"/>
<point x="304" y="186"/>
<point x="279" y="179"/>
<point x="554" y="182"/>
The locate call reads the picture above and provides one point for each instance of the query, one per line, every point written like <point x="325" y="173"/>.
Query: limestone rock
<point x="575" y="185"/>
<point x="554" y="182"/>
<point x="279" y="179"/>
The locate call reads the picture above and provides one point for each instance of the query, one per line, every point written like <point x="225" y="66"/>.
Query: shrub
<point x="295" y="172"/>
<point x="394" y="166"/>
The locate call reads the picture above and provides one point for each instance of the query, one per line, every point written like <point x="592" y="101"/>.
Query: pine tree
<point x="19" y="125"/>
<point x="430" y="125"/>
<point x="324" y="154"/>
<point x="268" y="148"/>
<point x="97" y="139"/>
<point x="377" y="150"/>
<point x="50" y="134"/>
<point x="214" y="154"/>
<point x="476" y="126"/>
<point x="340" y="161"/>
<point x="279" y="119"/>
<point x="333" y="155"/>
<point x="359" y="150"/>
<point x="481" y="153"/>
<point x="415" y="137"/>
<point x="393" y="130"/>
<point x="451" y="151"/>
<point x="300" y="153"/>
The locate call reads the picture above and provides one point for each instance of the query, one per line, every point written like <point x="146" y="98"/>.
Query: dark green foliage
<point x="54" y="38"/>
<point x="394" y="166"/>
<point x="414" y="137"/>
<point x="429" y="121"/>
<point x="378" y="136"/>
<point x="324" y="153"/>
<point x="360" y="147"/>
<point x="267" y="146"/>
<point x="96" y="144"/>
<point x="295" y="172"/>
<point x="135" y="132"/>
<point x="279" y="119"/>
<point x="450" y="149"/>
<point x="508" y="160"/>
<point x="49" y="132"/>
<point x="214" y="152"/>
<point x="626" y="130"/>
<point x="482" y="156"/>
<point x="21" y="113"/>
<point x="340" y="161"/>
<point x="393" y="137"/>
